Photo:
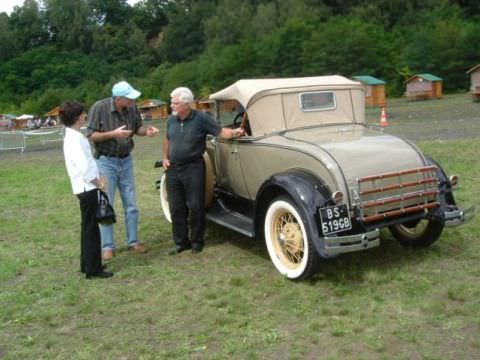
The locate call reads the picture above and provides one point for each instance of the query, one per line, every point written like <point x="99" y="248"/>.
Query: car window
<point x="228" y="110"/>
<point x="318" y="101"/>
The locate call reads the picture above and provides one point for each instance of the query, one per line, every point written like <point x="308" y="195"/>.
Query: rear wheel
<point x="417" y="234"/>
<point x="288" y="242"/>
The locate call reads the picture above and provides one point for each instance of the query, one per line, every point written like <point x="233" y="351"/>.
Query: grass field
<point x="229" y="302"/>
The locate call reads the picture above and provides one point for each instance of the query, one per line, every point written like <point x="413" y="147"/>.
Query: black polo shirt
<point x="103" y="117"/>
<point x="187" y="138"/>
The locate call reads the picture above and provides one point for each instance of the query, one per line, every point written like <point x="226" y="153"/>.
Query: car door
<point x="228" y="167"/>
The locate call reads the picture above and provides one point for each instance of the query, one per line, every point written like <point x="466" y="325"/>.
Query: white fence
<point x="18" y="140"/>
<point x="11" y="140"/>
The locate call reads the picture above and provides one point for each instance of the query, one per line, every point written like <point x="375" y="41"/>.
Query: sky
<point x="7" y="5"/>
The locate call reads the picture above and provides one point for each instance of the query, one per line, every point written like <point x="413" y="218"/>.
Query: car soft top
<point x="245" y="90"/>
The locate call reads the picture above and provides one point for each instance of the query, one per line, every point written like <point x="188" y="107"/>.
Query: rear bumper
<point x="335" y="245"/>
<point x="454" y="217"/>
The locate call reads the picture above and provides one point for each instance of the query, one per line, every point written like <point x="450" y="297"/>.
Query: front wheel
<point x="288" y="242"/>
<point x="164" y="198"/>
<point x="417" y="234"/>
<point x="209" y="184"/>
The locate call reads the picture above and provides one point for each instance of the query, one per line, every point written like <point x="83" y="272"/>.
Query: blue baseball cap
<point x="124" y="89"/>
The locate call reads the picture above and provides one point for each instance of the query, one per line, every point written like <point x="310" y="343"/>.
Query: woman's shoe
<point x="101" y="275"/>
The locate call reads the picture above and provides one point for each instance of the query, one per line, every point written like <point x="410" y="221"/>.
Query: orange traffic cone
<point x="383" y="117"/>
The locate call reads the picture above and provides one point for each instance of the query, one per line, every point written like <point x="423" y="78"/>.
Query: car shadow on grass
<point x="351" y="268"/>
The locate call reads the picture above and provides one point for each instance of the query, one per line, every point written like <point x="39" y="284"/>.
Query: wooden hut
<point x="205" y="105"/>
<point x="54" y="114"/>
<point x="424" y="87"/>
<point x="7" y="122"/>
<point x="374" y="90"/>
<point x="21" y="122"/>
<point x="153" y="109"/>
<point x="475" y="82"/>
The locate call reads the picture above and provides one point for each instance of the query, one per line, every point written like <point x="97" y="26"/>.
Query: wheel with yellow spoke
<point x="417" y="234"/>
<point x="287" y="239"/>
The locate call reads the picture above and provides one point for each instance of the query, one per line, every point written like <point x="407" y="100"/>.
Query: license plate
<point x="335" y="219"/>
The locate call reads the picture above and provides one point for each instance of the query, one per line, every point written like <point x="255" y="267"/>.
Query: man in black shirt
<point x="183" y="150"/>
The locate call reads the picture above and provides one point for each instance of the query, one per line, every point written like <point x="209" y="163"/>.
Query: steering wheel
<point x="244" y="123"/>
<point x="237" y="119"/>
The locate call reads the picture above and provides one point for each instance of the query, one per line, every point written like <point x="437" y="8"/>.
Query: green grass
<point x="229" y="302"/>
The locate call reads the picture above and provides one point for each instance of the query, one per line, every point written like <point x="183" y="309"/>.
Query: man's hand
<point x="238" y="132"/>
<point x="121" y="133"/>
<point x="166" y="164"/>
<point x="151" y="131"/>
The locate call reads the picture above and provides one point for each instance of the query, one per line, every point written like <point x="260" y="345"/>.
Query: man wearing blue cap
<point x="112" y="122"/>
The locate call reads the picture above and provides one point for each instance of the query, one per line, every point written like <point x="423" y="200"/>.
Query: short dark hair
<point x="70" y="111"/>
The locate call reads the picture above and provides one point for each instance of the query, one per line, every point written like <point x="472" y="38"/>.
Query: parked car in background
<point x="312" y="179"/>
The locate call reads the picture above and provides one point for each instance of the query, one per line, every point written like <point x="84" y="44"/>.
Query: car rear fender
<point x="448" y="208"/>
<point x="306" y="190"/>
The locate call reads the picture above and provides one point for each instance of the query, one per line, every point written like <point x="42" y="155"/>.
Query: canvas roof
<point x="245" y="90"/>
<point x="25" y="117"/>
<point x="425" y="76"/>
<point x="369" y="80"/>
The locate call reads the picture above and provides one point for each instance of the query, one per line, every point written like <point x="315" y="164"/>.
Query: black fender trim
<point x="306" y="190"/>
<point x="447" y="201"/>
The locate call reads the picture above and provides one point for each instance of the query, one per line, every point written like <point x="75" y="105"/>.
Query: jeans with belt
<point x="119" y="173"/>
<point x="186" y="193"/>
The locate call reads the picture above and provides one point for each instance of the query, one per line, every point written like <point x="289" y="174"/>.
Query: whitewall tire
<point x="287" y="240"/>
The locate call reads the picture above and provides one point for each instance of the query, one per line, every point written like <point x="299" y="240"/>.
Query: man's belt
<point x="187" y="162"/>
<point x="122" y="156"/>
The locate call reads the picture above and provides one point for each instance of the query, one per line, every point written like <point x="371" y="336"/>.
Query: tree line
<point x="53" y="50"/>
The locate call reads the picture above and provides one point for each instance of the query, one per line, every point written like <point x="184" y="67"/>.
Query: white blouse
<point x="81" y="166"/>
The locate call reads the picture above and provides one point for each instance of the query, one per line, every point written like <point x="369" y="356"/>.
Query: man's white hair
<point x="184" y="94"/>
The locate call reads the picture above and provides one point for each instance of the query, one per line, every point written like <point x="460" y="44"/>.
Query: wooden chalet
<point x="153" y="109"/>
<point x="424" y="87"/>
<point x="21" y="122"/>
<point x="205" y="105"/>
<point x="474" y="73"/>
<point x="54" y="114"/>
<point x="7" y="122"/>
<point x="374" y="90"/>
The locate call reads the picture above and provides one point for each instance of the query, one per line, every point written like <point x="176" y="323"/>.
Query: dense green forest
<point x="52" y="50"/>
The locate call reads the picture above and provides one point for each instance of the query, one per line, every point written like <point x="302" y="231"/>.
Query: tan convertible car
<point x="312" y="179"/>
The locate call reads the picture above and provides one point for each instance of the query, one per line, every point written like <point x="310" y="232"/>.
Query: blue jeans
<point x="119" y="173"/>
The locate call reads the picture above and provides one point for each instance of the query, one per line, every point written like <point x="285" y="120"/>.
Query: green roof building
<point x="424" y="87"/>
<point x="374" y="90"/>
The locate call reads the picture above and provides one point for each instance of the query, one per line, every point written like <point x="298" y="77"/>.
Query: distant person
<point x="183" y="150"/>
<point x="85" y="180"/>
<point x="112" y="122"/>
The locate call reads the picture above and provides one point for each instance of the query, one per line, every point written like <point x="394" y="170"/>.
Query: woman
<point x="86" y="181"/>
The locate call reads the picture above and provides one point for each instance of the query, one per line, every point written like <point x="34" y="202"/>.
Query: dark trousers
<point x="186" y="194"/>
<point x="90" y="244"/>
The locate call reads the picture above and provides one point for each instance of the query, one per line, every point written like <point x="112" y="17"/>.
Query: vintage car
<point x="312" y="179"/>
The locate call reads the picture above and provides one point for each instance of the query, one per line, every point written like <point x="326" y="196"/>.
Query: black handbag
<point x="105" y="212"/>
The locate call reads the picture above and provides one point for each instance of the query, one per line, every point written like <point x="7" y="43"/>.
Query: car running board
<point x="220" y="215"/>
